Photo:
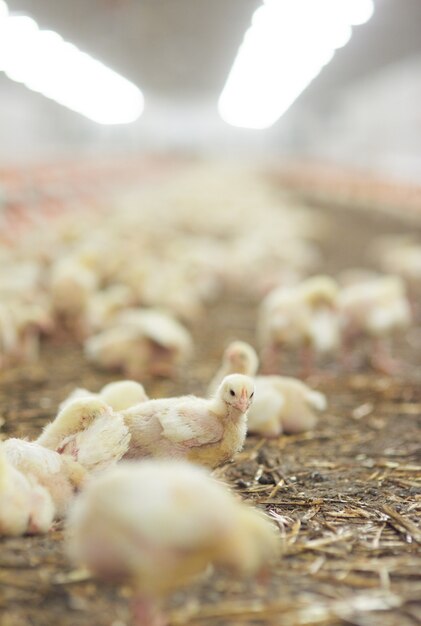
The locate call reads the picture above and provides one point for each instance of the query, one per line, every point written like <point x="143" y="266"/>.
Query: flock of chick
<point x="160" y="522"/>
<point x="127" y="284"/>
<point x="128" y="280"/>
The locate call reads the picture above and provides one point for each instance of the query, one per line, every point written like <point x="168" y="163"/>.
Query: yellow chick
<point x="25" y="506"/>
<point x="403" y="258"/>
<point x="122" y="394"/>
<point x="142" y="342"/>
<point x="400" y="255"/>
<point x="238" y="358"/>
<point x="103" y="306"/>
<point x="159" y="525"/>
<point x="32" y="320"/>
<point x="88" y="431"/>
<point x="60" y="476"/>
<point x="302" y="317"/>
<point x="376" y="310"/>
<point x="283" y="405"/>
<point x="119" y="395"/>
<point x="9" y="335"/>
<point x="205" y="431"/>
<point x="71" y="285"/>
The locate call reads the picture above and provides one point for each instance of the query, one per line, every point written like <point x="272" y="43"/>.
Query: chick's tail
<point x="316" y="400"/>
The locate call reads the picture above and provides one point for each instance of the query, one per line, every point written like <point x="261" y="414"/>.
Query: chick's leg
<point x="30" y="345"/>
<point x="381" y="359"/>
<point x="146" y="613"/>
<point x="307" y="361"/>
<point x="347" y="356"/>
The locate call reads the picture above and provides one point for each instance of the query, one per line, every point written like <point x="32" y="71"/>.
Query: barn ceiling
<point x="184" y="48"/>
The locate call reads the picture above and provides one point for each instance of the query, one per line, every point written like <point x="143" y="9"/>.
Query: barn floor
<point x="346" y="497"/>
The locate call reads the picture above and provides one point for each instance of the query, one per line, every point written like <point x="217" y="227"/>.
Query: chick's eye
<point x="232" y="392"/>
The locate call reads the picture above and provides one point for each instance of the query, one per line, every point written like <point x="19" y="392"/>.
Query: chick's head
<point x="123" y="394"/>
<point x="237" y="391"/>
<point x="241" y="358"/>
<point x="320" y="291"/>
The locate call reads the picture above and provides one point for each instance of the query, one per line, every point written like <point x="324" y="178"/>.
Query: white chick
<point x="142" y="342"/>
<point x="169" y="342"/>
<point x="119" y="349"/>
<point x="302" y="317"/>
<point x="32" y="319"/>
<point x="77" y="394"/>
<point x="375" y="310"/>
<point x="122" y="394"/>
<point x="119" y="395"/>
<point x="25" y="506"/>
<point x="208" y="432"/>
<point x="103" y="306"/>
<point x="21" y="325"/>
<point x="71" y="285"/>
<point x="90" y="432"/>
<point x="403" y="259"/>
<point x="160" y="524"/>
<point x="238" y="358"/>
<point x="9" y="336"/>
<point x="182" y="299"/>
<point x="59" y="475"/>
<point x="356" y="275"/>
<point x="20" y="279"/>
<point x="283" y="404"/>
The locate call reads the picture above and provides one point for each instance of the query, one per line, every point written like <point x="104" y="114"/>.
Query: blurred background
<point x="361" y="110"/>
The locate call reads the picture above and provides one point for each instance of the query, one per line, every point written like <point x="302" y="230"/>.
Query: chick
<point x="25" y="506"/>
<point x="208" y="432"/>
<point x="119" y="395"/>
<point x="283" y="404"/>
<point x="21" y="325"/>
<point x="90" y="432"/>
<point x="123" y="394"/>
<point x="302" y="317"/>
<point x="141" y="343"/>
<point x="375" y="310"/>
<point x="239" y="358"/>
<point x="9" y="335"/>
<point x="320" y="294"/>
<point x="356" y="275"/>
<point x="59" y="475"/>
<point x="402" y="257"/>
<point x="182" y="300"/>
<point x="169" y="343"/>
<point x="32" y="321"/>
<point x="160" y="524"/>
<point x="71" y="285"/>
<point x="103" y="306"/>
<point x="399" y="255"/>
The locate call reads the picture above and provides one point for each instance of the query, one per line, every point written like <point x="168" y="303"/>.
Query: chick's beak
<point x="243" y="401"/>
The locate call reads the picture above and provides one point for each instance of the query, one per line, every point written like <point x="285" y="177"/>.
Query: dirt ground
<point x="346" y="497"/>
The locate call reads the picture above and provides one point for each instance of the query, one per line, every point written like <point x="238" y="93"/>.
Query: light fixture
<point x="44" y="62"/>
<point x="285" y="48"/>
